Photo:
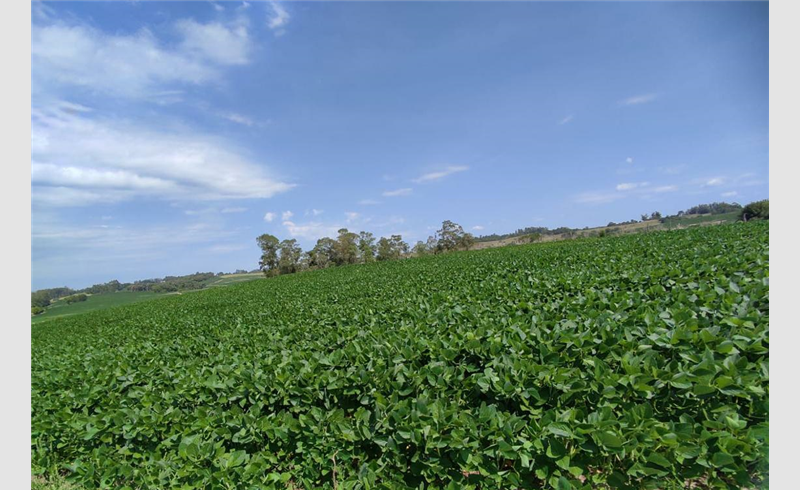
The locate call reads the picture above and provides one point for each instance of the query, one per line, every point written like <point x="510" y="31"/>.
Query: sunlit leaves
<point x="638" y="361"/>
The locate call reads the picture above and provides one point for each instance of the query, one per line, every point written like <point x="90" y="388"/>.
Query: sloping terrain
<point x="633" y="361"/>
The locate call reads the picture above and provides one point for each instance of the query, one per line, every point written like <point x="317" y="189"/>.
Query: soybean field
<point x="639" y="361"/>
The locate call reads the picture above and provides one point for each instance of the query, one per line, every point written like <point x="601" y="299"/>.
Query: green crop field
<point x="94" y="302"/>
<point x="229" y="279"/>
<point x="699" y="219"/>
<point x="639" y="361"/>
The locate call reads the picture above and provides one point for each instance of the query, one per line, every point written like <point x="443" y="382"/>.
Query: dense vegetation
<point x="534" y="233"/>
<point x="713" y="208"/>
<point x="633" y="361"/>
<point x="756" y="210"/>
<point x="286" y="257"/>
<point x="45" y="297"/>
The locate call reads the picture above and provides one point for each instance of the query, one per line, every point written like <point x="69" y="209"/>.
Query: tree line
<point x="286" y="257"/>
<point x="44" y="297"/>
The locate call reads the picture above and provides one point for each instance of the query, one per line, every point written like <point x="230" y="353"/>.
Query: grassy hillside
<point x="638" y="361"/>
<point x="95" y="302"/>
<point x="229" y="279"/>
<point x="61" y="308"/>
<point x="672" y="223"/>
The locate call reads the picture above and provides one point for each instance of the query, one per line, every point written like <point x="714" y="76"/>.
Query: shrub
<point x="75" y="298"/>
<point x="755" y="210"/>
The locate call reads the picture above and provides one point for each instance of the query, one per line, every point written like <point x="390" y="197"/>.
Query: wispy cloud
<point x="278" y="18"/>
<point x="238" y="118"/>
<point x="233" y="210"/>
<point x="286" y="215"/>
<point x="81" y="158"/>
<point x="368" y="202"/>
<point x="135" y="65"/>
<point x="566" y="120"/>
<point x="215" y="42"/>
<point x="730" y="194"/>
<point x="351" y="216"/>
<point x="477" y="227"/>
<point x="629" y="160"/>
<point x="664" y="188"/>
<point x="269" y="217"/>
<point x="639" y="99"/>
<point x="398" y="192"/>
<point x="626" y="186"/>
<point x="714" y="181"/>
<point x="312" y="230"/>
<point x="438" y="175"/>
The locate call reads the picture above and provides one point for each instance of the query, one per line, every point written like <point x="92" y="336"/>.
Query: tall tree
<point x="450" y="237"/>
<point x="466" y="241"/>
<point x="420" y="249"/>
<point x="366" y="247"/>
<point x="269" y="254"/>
<point x="346" y="248"/>
<point x="322" y="255"/>
<point x="392" y="248"/>
<point x="289" y="261"/>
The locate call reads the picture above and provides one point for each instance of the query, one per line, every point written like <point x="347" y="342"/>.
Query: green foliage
<point x="639" y="361"/>
<point x="108" y="287"/>
<point x="345" y="250"/>
<point x="713" y="208"/>
<point x="391" y="248"/>
<point x="75" y="298"/>
<point x="37" y="310"/>
<point x="44" y="297"/>
<point x="533" y="237"/>
<point x="323" y="254"/>
<point x="756" y="210"/>
<point x="289" y="261"/>
<point x="366" y="247"/>
<point x="269" y="245"/>
<point x="92" y="303"/>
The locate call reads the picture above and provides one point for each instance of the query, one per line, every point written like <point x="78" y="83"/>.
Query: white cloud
<point x="53" y="175"/>
<point x="269" y="217"/>
<point x="286" y="215"/>
<point x="78" y="160"/>
<point x="730" y="194"/>
<point x="432" y="176"/>
<point x="626" y="186"/>
<point x="715" y="181"/>
<point x="134" y="65"/>
<point x="665" y="188"/>
<point x="238" y="118"/>
<point x="565" y="120"/>
<point x="278" y="18"/>
<point x="351" y="216"/>
<point x="312" y="230"/>
<point x="639" y="99"/>
<point x="629" y="160"/>
<point x="233" y="210"/>
<point x="221" y="44"/>
<point x="477" y="227"/>
<point x="317" y="212"/>
<point x="368" y="202"/>
<point x="397" y="192"/>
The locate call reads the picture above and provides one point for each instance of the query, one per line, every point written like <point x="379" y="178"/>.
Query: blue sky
<point x="166" y="136"/>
